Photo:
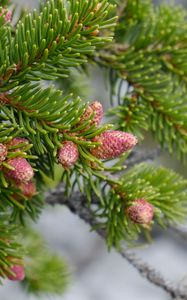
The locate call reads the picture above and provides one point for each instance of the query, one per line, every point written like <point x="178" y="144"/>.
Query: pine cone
<point x="8" y="15"/>
<point x="22" y="172"/>
<point x="68" y="154"/>
<point x="28" y="189"/>
<point x="113" y="144"/>
<point x="19" y="273"/>
<point x="141" y="211"/>
<point x="95" y="107"/>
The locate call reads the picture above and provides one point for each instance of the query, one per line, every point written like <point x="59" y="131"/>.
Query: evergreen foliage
<point x="149" y="53"/>
<point x="45" y="271"/>
<point x="163" y="188"/>
<point x="144" y="53"/>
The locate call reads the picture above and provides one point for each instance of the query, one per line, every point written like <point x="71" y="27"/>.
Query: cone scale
<point x="113" y="144"/>
<point x="140" y="212"/>
<point x="68" y="154"/>
<point x="22" y="172"/>
<point x="19" y="273"/>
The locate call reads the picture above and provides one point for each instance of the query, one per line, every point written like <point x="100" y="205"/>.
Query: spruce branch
<point x="162" y="193"/>
<point x="11" y="251"/>
<point x="45" y="44"/>
<point x="151" y="59"/>
<point x="130" y="113"/>
<point x="76" y="203"/>
<point x="41" y="127"/>
<point x="46" y="272"/>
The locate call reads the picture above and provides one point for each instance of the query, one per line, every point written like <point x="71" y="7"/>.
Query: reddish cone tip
<point x="28" y="189"/>
<point x="113" y="144"/>
<point x="141" y="211"/>
<point x="8" y="14"/>
<point x="3" y="152"/>
<point x="97" y="108"/>
<point x="19" y="273"/>
<point x="68" y="154"/>
<point x="22" y="172"/>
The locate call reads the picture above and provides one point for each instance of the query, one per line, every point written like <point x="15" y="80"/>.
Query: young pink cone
<point x="8" y="14"/>
<point x="68" y="154"/>
<point x="22" y="172"/>
<point x="3" y="152"/>
<point x="16" y="142"/>
<point x="113" y="144"/>
<point x="141" y="211"/>
<point x="98" y="109"/>
<point x="19" y="273"/>
<point x="95" y="107"/>
<point x="28" y="189"/>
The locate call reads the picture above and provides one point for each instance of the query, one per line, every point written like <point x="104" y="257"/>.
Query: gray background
<point x="95" y="273"/>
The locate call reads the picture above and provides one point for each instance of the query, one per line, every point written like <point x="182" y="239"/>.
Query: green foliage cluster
<point x="10" y="249"/>
<point x="163" y="188"/>
<point x="149" y="52"/>
<point x="44" y="45"/>
<point x="145" y="54"/>
<point x="45" y="271"/>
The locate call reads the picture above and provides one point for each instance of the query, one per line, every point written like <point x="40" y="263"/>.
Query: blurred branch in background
<point x="76" y="203"/>
<point x="180" y="230"/>
<point x="138" y="156"/>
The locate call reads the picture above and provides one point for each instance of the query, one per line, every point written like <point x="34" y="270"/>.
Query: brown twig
<point x="76" y="203"/>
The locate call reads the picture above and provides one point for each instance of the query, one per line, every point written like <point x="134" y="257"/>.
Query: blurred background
<point x="96" y="274"/>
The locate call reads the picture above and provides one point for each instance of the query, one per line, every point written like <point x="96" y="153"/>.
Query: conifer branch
<point x="46" y="43"/>
<point x="76" y="203"/>
<point x="41" y="127"/>
<point x="151" y="59"/>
